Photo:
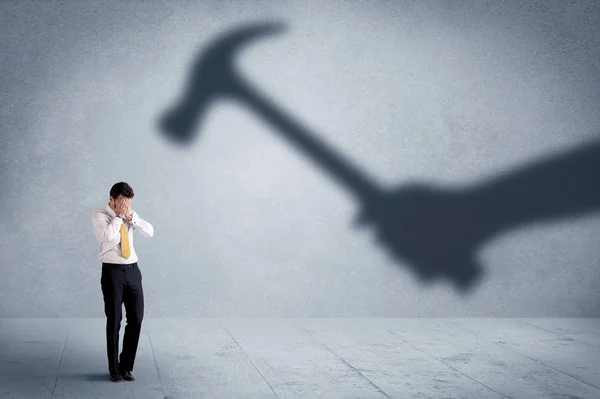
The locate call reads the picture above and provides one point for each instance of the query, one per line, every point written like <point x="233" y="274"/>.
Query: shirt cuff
<point x="134" y="217"/>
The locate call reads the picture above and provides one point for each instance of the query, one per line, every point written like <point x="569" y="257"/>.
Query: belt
<point x="125" y="266"/>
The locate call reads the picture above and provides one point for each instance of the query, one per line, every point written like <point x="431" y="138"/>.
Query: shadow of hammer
<point x="394" y="213"/>
<point x="214" y="77"/>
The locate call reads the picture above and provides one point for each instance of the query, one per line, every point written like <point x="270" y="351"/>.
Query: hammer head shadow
<point x="213" y="75"/>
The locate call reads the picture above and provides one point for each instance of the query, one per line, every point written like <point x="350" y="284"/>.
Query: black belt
<point x="125" y="266"/>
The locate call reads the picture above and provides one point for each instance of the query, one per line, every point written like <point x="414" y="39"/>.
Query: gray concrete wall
<point x="455" y="96"/>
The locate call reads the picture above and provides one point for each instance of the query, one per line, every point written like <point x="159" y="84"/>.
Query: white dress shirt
<point x="107" y="228"/>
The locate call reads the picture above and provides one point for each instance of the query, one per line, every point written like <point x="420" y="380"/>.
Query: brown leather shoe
<point x="127" y="375"/>
<point x="114" y="377"/>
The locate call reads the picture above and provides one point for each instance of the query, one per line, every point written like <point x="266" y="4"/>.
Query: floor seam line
<point x="545" y="365"/>
<point x="560" y="335"/>
<point x="155" y="363"/>
<point x="452" y="367"/>
<point x="59" y="366"/>
<point x="253" y="365"/>
<point x="348" y="364"/>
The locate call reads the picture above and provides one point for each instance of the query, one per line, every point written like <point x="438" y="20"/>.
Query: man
<point x="121" y="279"/>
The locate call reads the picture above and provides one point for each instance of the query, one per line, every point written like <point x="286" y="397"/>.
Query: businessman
<point x="121" y="279"/>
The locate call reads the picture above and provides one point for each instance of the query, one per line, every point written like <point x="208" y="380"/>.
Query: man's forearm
<point x="108" y="232"/>
<point x="145" y="228"/>
<point x="112" y="233"/>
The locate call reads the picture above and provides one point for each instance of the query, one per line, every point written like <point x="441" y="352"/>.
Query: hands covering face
<point x="123" y="205"/>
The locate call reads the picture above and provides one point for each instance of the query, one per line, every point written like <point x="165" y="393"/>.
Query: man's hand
<point x="123" y="205"/>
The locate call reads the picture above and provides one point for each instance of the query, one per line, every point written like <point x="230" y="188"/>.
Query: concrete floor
<point x="307" y="358"/>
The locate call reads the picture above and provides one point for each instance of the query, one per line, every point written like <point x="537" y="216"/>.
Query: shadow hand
<point x="428" y="228"/>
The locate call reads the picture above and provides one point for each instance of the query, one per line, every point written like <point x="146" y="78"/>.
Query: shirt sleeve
<point x="105" y="229"/>
<point x="145" y="228"/>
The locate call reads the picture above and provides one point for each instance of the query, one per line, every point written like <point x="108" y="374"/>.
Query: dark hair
<point x="121" y="188"/>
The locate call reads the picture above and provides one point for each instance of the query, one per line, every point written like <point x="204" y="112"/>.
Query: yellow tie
<point x="124" y="241"/>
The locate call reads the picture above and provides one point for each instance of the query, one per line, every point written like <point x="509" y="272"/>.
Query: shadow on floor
<point x="90" y="376"/>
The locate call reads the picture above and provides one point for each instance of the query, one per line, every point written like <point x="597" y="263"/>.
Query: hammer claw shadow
<point x="434" y="231"/>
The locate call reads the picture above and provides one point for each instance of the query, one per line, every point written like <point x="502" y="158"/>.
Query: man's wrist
<point x="123" y="216"/>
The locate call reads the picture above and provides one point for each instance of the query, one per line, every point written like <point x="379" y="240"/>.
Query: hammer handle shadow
<point x="342" y="170"/>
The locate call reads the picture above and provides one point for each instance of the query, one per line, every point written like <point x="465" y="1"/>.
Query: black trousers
<point x="122" y="284"/>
